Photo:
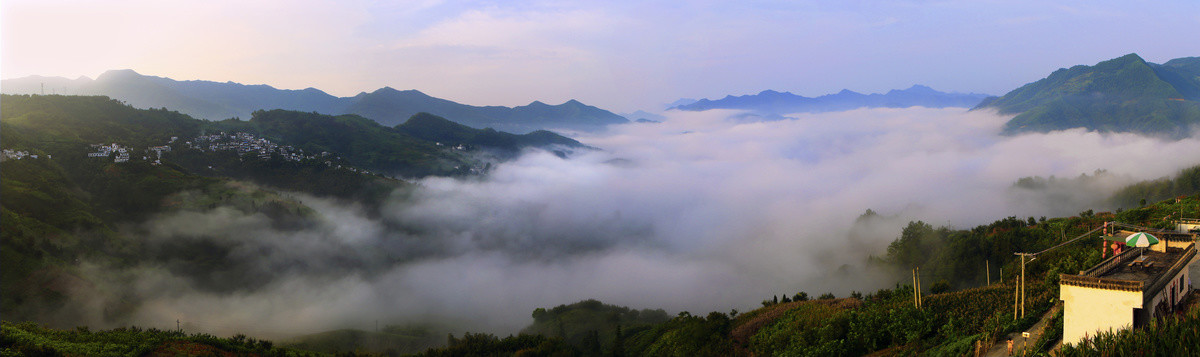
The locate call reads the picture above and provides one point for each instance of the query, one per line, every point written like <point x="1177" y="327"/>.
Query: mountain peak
<point x="1118" y="95"/>
<point x="394" y="91"/>
<point x="118" y="74"/>
<point x="425" y="119"/>
<point x="1129" y="57"/>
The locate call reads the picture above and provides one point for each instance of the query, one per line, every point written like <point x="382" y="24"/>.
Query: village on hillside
<point x="8" y="154"/>
<point x="241" y="142"/>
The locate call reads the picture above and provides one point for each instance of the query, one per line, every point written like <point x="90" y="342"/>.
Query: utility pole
<point x="919" y="302"/>
<point x="916" y="302"/>
<point x="988" y="268"/>
<point x="1021" y="284"/>
<point x="177" y="325"/>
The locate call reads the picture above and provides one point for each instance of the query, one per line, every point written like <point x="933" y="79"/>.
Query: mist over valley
<point x="698" y="213"/>
<point x="434" y="178"/>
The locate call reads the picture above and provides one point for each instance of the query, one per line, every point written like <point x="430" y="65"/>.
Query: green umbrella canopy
<point x="1140" y="239"/>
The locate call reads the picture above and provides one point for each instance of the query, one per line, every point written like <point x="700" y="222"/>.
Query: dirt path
<point x="1019" y="343"/>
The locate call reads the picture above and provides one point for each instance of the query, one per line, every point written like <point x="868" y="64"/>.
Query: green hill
<point x="360" y="141"/>
<point x="1125" y="94"/>
<point x="425" y="145"/>
<point x="587" y="322"/>
<point x="430" y="127"/>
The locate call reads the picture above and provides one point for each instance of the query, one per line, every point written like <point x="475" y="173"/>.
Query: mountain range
<point x="388" y="106"/>
<point x="1124" y="94"/>
<point x="771" y="103"/>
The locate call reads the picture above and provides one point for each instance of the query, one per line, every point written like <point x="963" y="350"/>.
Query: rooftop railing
<point x="1101" y="283"/>
<point x="1113" y="262"/>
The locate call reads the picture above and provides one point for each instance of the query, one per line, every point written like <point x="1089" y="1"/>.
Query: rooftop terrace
<point x="1136" y="269"/>
<point x="1145" y="267"/>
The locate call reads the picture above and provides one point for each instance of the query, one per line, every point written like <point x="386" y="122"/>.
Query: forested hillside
<point x="79" y="172"/>
<point x="1124" y="94"/>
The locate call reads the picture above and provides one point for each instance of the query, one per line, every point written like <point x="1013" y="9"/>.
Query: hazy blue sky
<point x="620" y="55"/>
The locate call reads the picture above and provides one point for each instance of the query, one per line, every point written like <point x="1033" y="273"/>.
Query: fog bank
<point x="697" y="213"/>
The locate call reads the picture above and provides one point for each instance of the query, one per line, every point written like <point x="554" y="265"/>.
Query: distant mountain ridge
<point x="1124" y="94"/>
<point x="388" y="106"/>
<point x="770" y="102"/>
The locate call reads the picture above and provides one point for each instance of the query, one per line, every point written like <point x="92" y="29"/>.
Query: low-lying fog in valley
<point x="698" y="213"/>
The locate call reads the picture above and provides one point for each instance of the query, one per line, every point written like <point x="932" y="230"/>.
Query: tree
<point x="618" y="347"/>
<point x="939" y="287"/>
<point x="591" y="344"/>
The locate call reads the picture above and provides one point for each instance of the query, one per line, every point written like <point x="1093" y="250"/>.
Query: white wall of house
<point x="1088" y="310"/>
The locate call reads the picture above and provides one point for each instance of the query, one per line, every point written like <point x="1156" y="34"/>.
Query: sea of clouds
<point x="701" y="212"/>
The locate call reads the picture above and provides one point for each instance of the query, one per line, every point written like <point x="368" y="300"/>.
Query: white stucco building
<point x="1129" y="289"/>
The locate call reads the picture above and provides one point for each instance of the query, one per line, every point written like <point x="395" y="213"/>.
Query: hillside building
<point x="1188" y="225"/>
<point x="1128" y="289"/>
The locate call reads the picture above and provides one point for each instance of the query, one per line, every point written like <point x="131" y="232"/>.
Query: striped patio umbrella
<point x="1140" y="239"/>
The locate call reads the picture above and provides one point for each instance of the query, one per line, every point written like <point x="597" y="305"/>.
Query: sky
<point x="618" y="55"/>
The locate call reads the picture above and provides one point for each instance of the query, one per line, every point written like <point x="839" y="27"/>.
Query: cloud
<point x="699" y="213"/>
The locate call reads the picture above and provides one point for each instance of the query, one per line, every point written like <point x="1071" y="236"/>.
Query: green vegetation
<point x="480" y="344"/>
<point x="360" y="141"/>
<point x="589" y="321"/>
<point x="1186" y="182"/>
<point x="434" y="128"/>
<point x="28" y="339"/>
<point x="425" y="145"/>
<point x="53" y="123"/>
<point x="1125" y="94"/>
<point x="1170" y="336"/>
<point x="391" y="340"/>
